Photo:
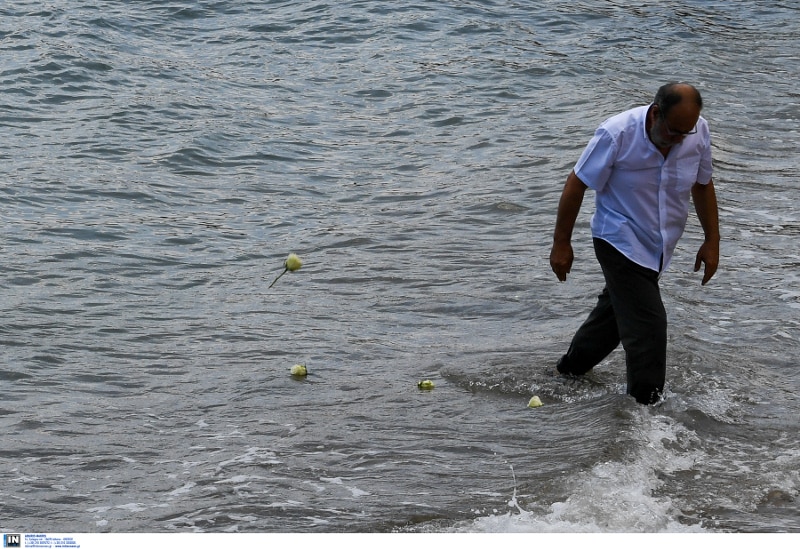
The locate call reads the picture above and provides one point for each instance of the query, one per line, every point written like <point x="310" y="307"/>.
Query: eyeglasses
<point x="670" y="132"/>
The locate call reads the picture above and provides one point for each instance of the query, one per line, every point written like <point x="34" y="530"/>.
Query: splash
<point x="613" y="496"/>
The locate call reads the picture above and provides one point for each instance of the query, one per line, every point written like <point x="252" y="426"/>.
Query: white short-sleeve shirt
<point x="641" y="198"/>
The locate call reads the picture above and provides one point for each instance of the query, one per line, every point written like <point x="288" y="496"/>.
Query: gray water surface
<point x="161" y="159"/>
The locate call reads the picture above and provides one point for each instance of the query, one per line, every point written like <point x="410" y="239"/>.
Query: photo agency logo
<point x="12" y="540"/>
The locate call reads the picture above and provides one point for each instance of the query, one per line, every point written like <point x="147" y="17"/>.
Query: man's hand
<point x="561" y="257"/>
<point x="708" y="255"/>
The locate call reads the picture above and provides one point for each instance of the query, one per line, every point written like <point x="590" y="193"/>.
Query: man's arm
<point x="705" y="203"/>
<point x="561" y="255"/>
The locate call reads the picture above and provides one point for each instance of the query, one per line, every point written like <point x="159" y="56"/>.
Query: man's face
<point x="673" y="128"/>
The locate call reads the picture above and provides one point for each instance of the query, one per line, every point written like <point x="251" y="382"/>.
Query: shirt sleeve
<point x="597" y="160"/>
<point x="705" y="170"/>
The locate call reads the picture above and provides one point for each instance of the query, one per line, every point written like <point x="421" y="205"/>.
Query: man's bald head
<point x="676" y="93"/>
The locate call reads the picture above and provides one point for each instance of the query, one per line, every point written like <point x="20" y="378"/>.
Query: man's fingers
<point x="710" y="260"/>
<point x="560" y="269"/>
<point x="561" y="273"/>
<point x="709" y="272"/>
<point x="561" y="258"/>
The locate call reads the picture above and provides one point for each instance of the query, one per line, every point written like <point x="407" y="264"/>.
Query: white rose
<point x="535" y="402"/>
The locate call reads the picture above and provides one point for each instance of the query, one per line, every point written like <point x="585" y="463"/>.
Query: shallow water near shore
<point x="162" y="159"/>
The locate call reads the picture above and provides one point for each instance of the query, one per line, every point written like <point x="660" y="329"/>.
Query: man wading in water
<point x="643" y="165"/>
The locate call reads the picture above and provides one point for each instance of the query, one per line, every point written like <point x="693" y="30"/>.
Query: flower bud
<point x="535" y="402"/>
<point x="293" y="263"/>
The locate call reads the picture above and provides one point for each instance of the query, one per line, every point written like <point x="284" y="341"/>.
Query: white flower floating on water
<point x="535" y="402"/>
<point x="299" y="370"/>
<point x="292" y="263"/>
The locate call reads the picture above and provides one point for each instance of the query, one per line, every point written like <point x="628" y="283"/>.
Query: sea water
<point x="161" y="159"/>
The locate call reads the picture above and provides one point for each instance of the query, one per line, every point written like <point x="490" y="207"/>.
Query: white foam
<point x="185" y="489"/>
<point x="261" y="456"/>
<point x="612" y="496"/>
<point x="355" y="492"/>
<point x="133" y="507"/>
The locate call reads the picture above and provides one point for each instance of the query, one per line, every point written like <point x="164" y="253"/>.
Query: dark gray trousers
<point x="630" y="311"/>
